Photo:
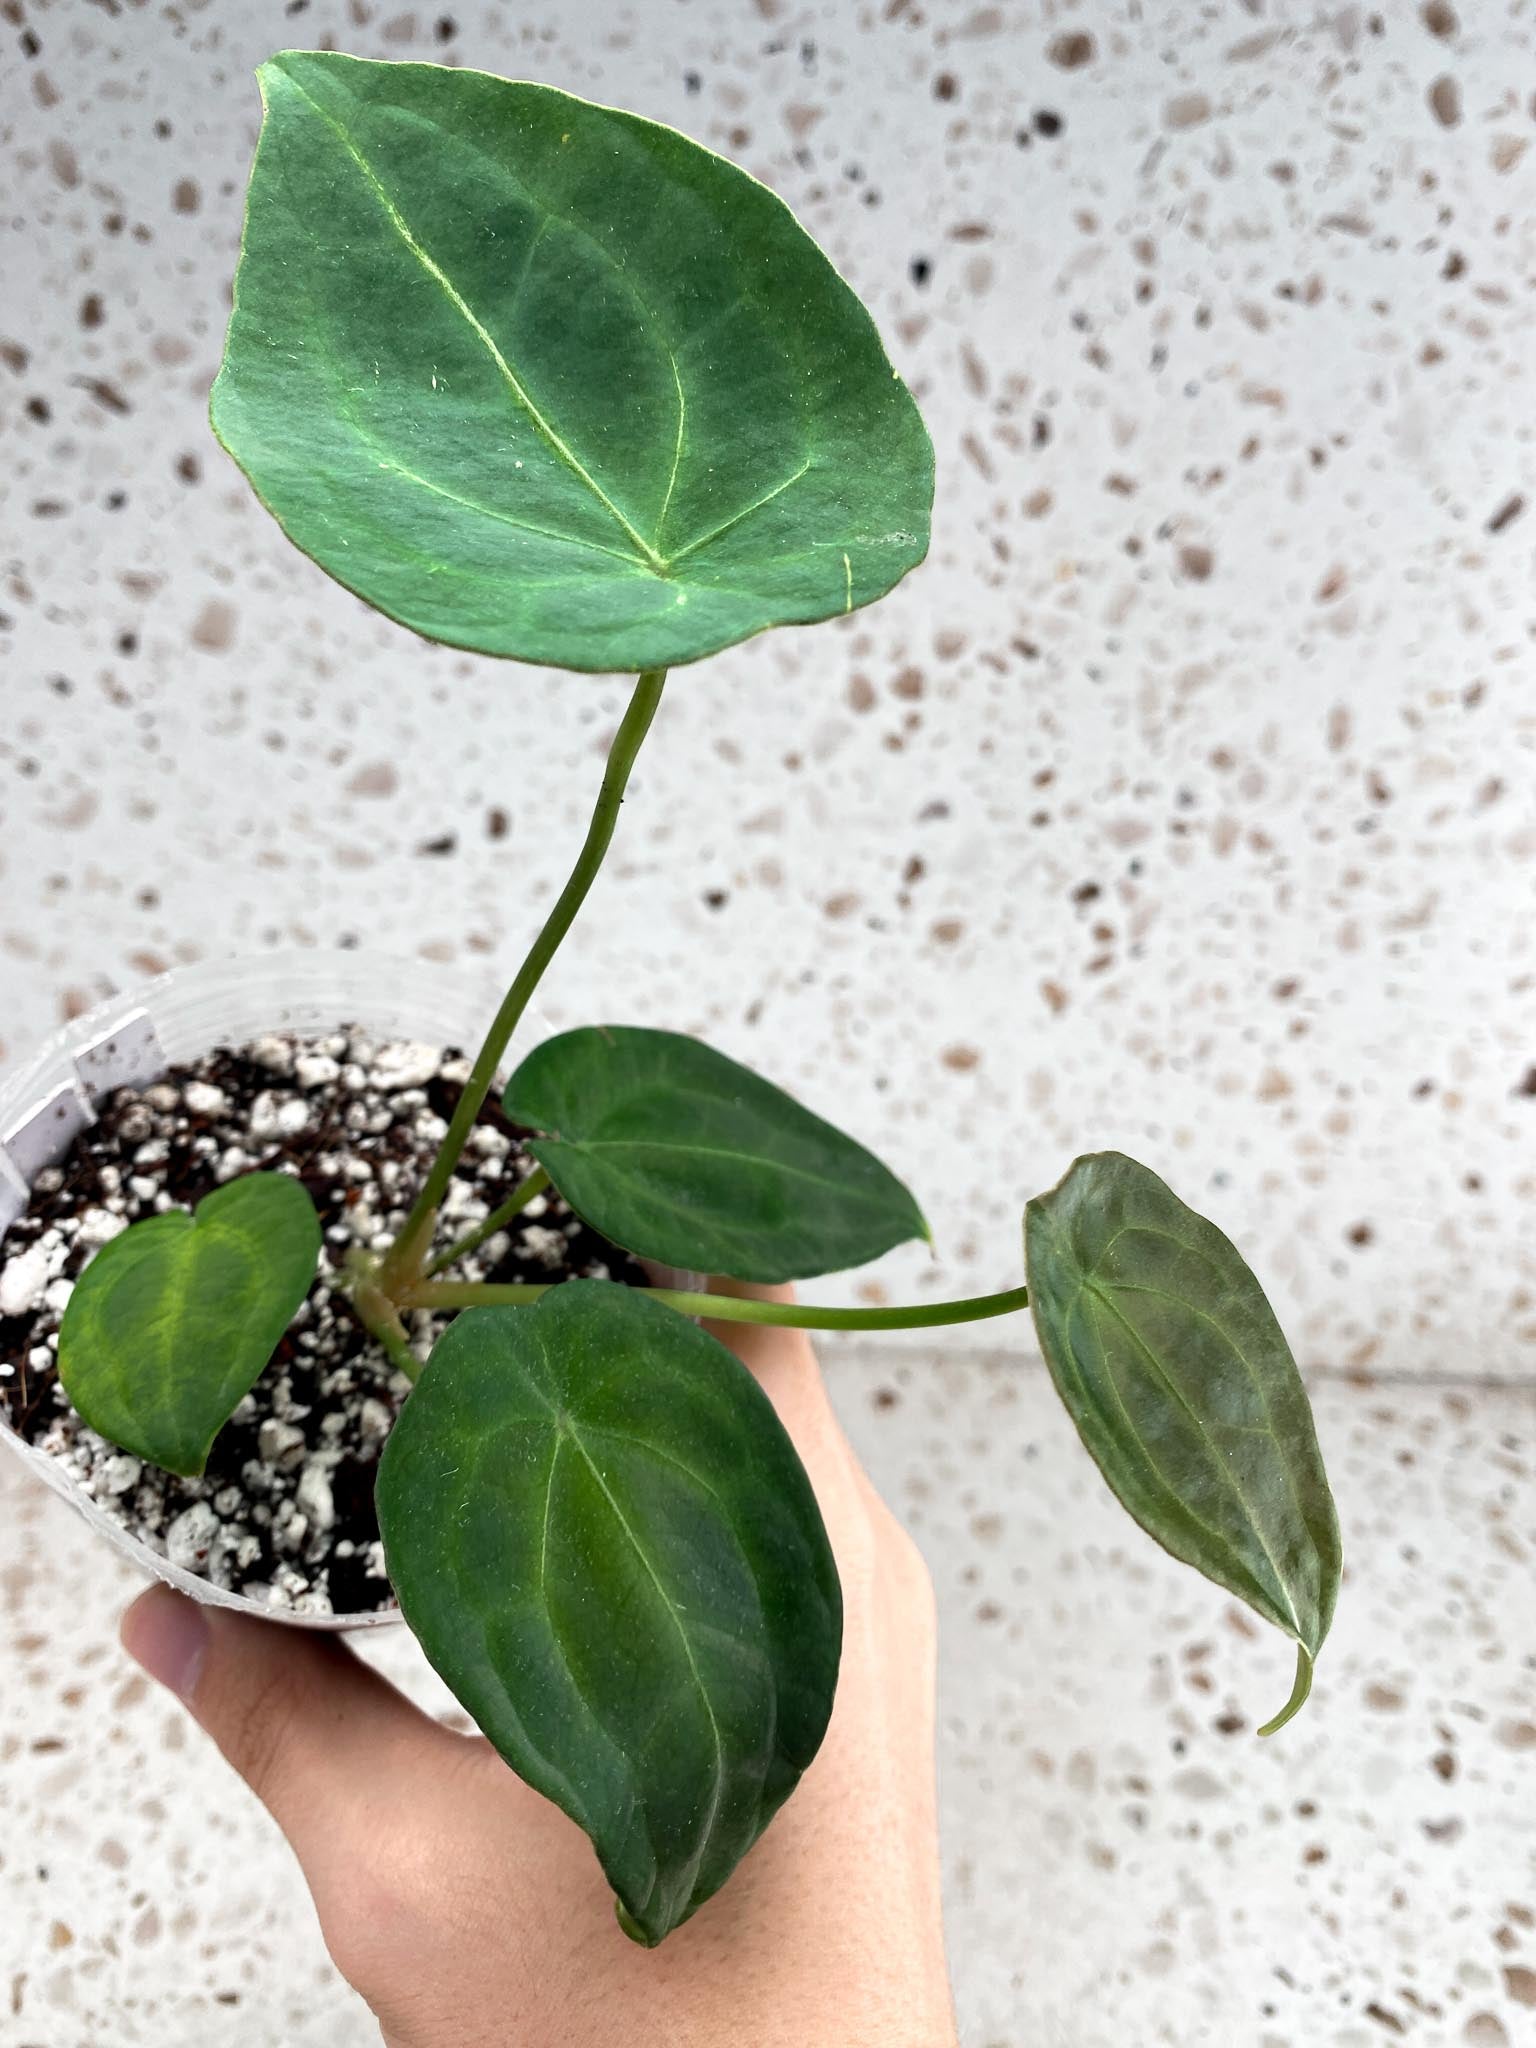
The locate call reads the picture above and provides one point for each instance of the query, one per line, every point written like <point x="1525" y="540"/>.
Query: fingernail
<point x="168" y="1635"/>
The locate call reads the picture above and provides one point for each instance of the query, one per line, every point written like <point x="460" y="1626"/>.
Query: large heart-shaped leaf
<point x="543" y="379"/>
<point x="680" y="1155"/>
<point x="170" y="1325"/>
<point x="1179" y="1379"/>
<point x="605" y="1543"/>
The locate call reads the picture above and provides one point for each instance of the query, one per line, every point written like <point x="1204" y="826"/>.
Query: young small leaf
<point x="542" y="379"/>
<point x="680" y="1155"/>
<point x="1173" y="1367"/>
<point x="605" y="1543"/>
<point x="171" y="1323"/>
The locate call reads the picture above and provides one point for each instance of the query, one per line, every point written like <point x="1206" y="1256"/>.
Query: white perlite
<point x="278" y="1116"/>
<point x="281" y="1444"/>
<point x="23" y="1281"/>
<point x="275" y="1054"/>
<point x="546" y="1245"/>
<point x="374" y="1419"/>
<point x="100" y="1226"/>
<point x="314" y="1494"/>
<point x="405" y="1066"/>
<point x="191" y="1537"/>
<point x="119" y="1474"/>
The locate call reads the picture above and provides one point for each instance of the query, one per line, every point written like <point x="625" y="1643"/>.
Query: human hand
<point x="471" y="1913"/>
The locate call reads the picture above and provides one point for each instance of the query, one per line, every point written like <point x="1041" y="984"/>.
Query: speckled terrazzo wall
<point x="1184" y="801"/>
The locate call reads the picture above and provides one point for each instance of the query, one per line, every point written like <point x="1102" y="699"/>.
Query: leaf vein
<point x="736" y="518"/>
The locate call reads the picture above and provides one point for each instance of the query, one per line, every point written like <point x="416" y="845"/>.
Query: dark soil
<point x="284" y="1512"/>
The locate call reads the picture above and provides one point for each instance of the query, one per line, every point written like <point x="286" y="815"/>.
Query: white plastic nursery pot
<point x="132" y="1039"/>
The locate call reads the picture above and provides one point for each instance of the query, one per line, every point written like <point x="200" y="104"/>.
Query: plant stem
<point x="399" y="1353"/>
<point x="381" y="1319"/>
<point x="498" y="1219"/>
<point x="731" y="1308"/>
<point x="415" y="1235"/>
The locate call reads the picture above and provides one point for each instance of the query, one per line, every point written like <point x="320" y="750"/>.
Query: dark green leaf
<point x="545" y="380"/>
<point x="607" y="1546"/>
<point x="1173" y="1367"/>
<point x="679" y="1154"/>
<point x="171" y="1323"/>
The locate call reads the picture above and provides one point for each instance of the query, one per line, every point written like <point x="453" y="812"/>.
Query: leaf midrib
<point x="251" y="1344"/>
<point x="1219" y="1463"/>
<point x="1255" y="1378"/>
<point x="761" y="1161"/>
<point x="717" y="1789"/>
<point x="557" y="444"/>
<point x="1081" y="1287"/>
<point x="647" y="555"/>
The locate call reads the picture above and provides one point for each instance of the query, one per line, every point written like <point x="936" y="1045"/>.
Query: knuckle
<point x="370" y="1925"/>
<point x="416" y="1869"/>
<point x="403" y="1895"/>
<point x="380" y="1906"/>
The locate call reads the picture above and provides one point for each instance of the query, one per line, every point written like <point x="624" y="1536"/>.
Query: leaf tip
<point x="631" y="1926"/>
<point x="1300" y="1692"/>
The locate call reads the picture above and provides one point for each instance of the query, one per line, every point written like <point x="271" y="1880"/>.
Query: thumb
<point x="321" y="1739"/>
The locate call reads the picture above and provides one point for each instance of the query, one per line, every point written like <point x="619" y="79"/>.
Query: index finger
<point x="784" y="1364"/>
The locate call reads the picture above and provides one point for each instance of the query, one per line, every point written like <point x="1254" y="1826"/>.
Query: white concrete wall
<point x="1182" y="802"/>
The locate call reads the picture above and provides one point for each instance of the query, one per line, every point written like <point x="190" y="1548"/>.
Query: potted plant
<point x="552" y="383"/>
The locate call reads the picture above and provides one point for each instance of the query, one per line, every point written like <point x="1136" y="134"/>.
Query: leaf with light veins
<point x="543" y="379"/>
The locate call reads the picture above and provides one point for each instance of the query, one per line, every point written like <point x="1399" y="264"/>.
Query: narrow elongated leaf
<point x="680" y="1155"/>
<point x="545" y="380"/>
<point x="171" y="1323"/>
<point x="1173" y="1367"/>
<point x="605" y="1543"/>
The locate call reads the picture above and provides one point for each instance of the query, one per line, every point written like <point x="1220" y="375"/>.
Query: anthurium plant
<point x="553" y="383"/>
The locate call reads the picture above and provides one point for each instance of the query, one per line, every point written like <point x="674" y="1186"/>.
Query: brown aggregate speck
<point x="1507" y="513"/>
<point x="374" y="779"/>
<point x="1187" y="110"/>
<point x="1445" y="101"/>
<point x="1072" y="49"/>
<point x="214" y="626"/>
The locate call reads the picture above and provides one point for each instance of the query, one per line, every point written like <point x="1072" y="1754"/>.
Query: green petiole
<point x="731" y="1308"/>
<point x="380" y="1317"/>
<point x="498" y="1219"/>
<point x="415" y="1233"/>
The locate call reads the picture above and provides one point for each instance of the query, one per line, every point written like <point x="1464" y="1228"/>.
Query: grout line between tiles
<point x="865" y="1351"/>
